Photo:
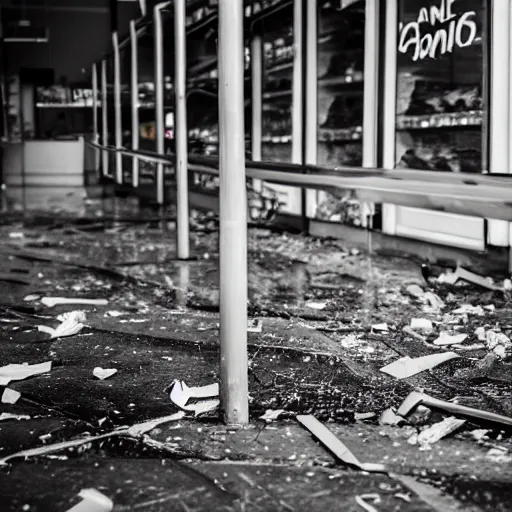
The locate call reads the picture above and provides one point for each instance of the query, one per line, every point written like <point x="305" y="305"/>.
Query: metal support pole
<point x="233" y="216"/>
<point x="95" y="136"/>
<point x="371" y="97"/>
<point x="159" y="99"/>
<point x="297" y="100"/>
<point x="311" y="100"/>
<point x="134" y="101"/>
<point x="257" y="101"/>
<point x="104" y="117"/>
<point x="117" y="108"/>
<point x="180" y="130"/>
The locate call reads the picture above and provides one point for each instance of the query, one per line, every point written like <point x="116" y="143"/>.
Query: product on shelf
<point x="345" y="111"/>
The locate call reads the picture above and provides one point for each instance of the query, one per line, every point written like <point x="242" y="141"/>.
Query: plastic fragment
<point x="10" y="396"/>
<point x="437" y="431"/>
<point x="271" y="415"/>
<point x="181" y="394"/>
<point x="422" y="324"/>
<point x="22" y="371"/>
<point x="92" y="501"/>
<point x="71" y="324"/>
<point x="361" y="501"/>
<point x="445" y="338"/>
<point x="407" y="367"/>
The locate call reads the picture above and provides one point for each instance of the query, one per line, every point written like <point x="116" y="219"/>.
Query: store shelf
<point x="439" y="120"/>
<point x="277" y="94"/>
<point x="276" y="68"/>
<point x="354" y="133"/>
<point x="276" y="139"/>
<point x="356" y="78"/>
<point x="257" y="10"/>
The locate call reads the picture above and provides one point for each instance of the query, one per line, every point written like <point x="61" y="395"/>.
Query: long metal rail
<point x="485" y="196"/>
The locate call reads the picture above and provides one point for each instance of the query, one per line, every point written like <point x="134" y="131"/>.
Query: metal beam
<point x="104" y="117"/>
<point x="233" y="216"/>
<point x="134" y="87"/>
<point x="257" y="100"/>
<point x="159" y="97"/>
<point x="117" y="108"/>
<point x="95" y="135"/>
<point x="180" y="129"/>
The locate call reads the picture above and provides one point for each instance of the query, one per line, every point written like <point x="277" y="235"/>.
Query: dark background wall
<point x="78" y="38"/>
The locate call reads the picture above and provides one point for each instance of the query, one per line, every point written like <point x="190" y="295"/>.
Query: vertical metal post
<point x="499" y="88"/>
<point x="311" y="93"/>
<point x="233" y="216"/>
<point x="370" y="95"/>
<point x="297" y="99"/>
<point x="117" y="108"/>
<point x="134" y="87"/>
<point x="257" y="101"/>
<point x="180" y="130"/>
<point x="159" y="99"/>
<point x="389" y="107"/>
<point x="104" y="116"/>
<point x="95" y="136"/>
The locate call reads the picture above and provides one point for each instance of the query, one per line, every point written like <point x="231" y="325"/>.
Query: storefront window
<point x="277" y="35"/>
<point x="340" y="50"/>
<point x="440" y="65"/>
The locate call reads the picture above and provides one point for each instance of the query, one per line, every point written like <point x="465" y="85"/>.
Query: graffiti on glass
<point x="437" y="31"/>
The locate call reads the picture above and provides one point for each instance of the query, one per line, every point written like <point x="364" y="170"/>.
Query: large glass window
<point x="340" y="51"/>
<point x="277" y="35"/>
<point x="440" y="76"/>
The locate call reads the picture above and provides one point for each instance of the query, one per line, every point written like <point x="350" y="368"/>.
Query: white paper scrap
<point x="103" y="373"/>
<point x="22" y="371"/>
<point x="181" y="394"/>
<point x="446" y="338"/>
<point x="59" y="301"/>
<point x="92" y="501"/>
<point x="71" y="324"/>
<point x="10" y="396"/>
<point x="9" y="416"/>
<point x="407" y="367"/>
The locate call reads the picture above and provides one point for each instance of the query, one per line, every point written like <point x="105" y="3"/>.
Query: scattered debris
<point x="407" y="367"/>
<point x="254" y="325"/>
<point x="8" y="416"/>
<point x="481" y="334"/>
<point x="374" y="498"/>
<point x="181" y="394"/>
<point x="332" y="443"/>
<point x="389" y="417"/>
<point x="422" y="324"/>
<point x="415" y="398"/>
<point x="22" y="371"/>
<point x="72" y="323"/>
<point x="420" y="416"/>
<point x="445" y="338"/>
<point x="361" y="416"/>
<point x="61" y="301"/>
<point x="135" y="431"/>
<point x="103" y="373"/>
<point x="499" y="455"/>
<point x="10" y="396"/>
<point x="470" y="277"/>
<point x="435" y="432"/>
<point x="499" y="343"/>
<point x="468" y="309"/>
<point x="316" y="305"/>
<point x="380" y="327"/>
<point x="92" y="501"/>
<point x="271" y="415"/>
<point x="114" y="313"/>
<point x="479" y="434"/>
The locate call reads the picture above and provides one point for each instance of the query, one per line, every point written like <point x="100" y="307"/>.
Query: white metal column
<point x="257" y="101"/>
<point x="370" y="95"/>
<point x="159" y="99"/>
<point x="95" y="135"/>
<point x="181" y="131"/>
<point x="389" y="107"/>
<point x="233" y="215"/>
<point x="117" y="108"/>
<point x="499" y="126"/>
<point x="104" y="117"/>
<point x="134" y="87"/>
<point x="311" y="93"/>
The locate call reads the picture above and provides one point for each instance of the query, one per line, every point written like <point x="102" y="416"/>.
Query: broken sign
<point x="181" y="394"/>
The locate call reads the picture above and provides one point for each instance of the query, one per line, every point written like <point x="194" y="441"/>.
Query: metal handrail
<point x="485" y="196"/>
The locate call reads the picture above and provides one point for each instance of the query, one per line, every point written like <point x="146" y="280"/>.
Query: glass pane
<point x="439" y="85"/>
<point x="340" y="100"/>
<point x="277" y="35"/>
